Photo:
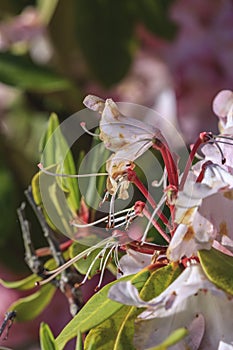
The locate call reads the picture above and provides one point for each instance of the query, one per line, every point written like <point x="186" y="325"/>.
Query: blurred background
<point x="171" y="55"/>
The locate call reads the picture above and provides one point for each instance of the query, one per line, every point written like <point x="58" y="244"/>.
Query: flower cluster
<point x="200" y="209"/>
<point x="197" y="232"/>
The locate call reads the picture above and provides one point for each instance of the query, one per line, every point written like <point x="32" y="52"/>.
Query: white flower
<point x="129" y="138"/>
<point x="202" y="212"/>
<point x="189" y="296"/>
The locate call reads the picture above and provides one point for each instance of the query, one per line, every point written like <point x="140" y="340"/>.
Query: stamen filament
<point x="169" y="162"/>
<point x="54" y="273"/>
<point x="155" y="223"/>
<point x="203" y="137"/>
<point x="223" y="137"/>
<point x="221" y="152"/>
<point x="137" y="182"/>
<point x="103" y="268"/>
<point x="116" y="258"/>
<point x="147" y="248"/>
<point x="91" y="266"/>
<point x="103" y="253"/>
<point x="41" y="167"/>
<point x="83" y="125"/>
<point x="104" y="219"/>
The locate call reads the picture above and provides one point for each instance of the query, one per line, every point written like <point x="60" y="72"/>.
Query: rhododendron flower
<point x="190" y="296"/>
<point x="129" y="138"/>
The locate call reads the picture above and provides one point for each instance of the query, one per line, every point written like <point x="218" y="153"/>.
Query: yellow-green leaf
<point x="218" y="268"/>
<point x="97" y="310"/>
<point x="24" y="284"/>
<point x="47" y="341"/>
<point x="29" y="307"/>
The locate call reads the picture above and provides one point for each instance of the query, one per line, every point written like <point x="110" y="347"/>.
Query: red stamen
<point x="172" y="172"/>
<point x="132" y="177"/>
<point x="146" y="248"/>
<point x="203" y="138"/>
<point x="156" y="225"/>
<point x="203" y="169"/>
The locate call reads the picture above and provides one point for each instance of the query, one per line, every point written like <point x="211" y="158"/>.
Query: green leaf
<point x="47" y="341"/>
<point x="160" y="280"/>
<point x="29" y="281"/>
<point x="22" y="73"/>
<point x="105" y="336"/>
<point x="50" y="154"/>
<point x="48" y="194"/>
<point x="31" y="306"/>
<point x="172" y="339"/>
<point x="24" y="284"/>
<point x="97" y="309"/>
<point x="46" y="9"/>
<point x="122" y="323"/>
<point x="218" y="268"/>
<point x="55" y="150"/>
<point x="79" y="343"/>
<point x="61" y="196"/>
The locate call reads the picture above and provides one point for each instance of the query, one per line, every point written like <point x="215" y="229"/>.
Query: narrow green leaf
<point x="79" y="342"/>
<point x="22" y="73"/>
<point x="31" y="306"/>
<point x="47" y="341"/>
<point x="97" y="309"/>
<point x="172" y="339"/>
<point x="24" y="284"/>
<point x="49" y="154"/>
<point x="48" y="194"/>
<point x="46" y="9"/>
<point x="218" y="268"/>
<point x="29" y="281"/>
<point x="55" y="150"/>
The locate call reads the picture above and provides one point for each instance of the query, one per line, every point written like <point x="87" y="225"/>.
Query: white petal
<point x="222" y="103"/>
<point x="134" y="262"/>
<point x="196" y="331"/>
<point x="94" y="103"/>
<point x="218" y="323"/>
<point x="187" y="284"/>
<point x="126" y="293"/>
<point x="218" y="210"/>
<point x="225" y="346"/>
<point x="197" y="234"/>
